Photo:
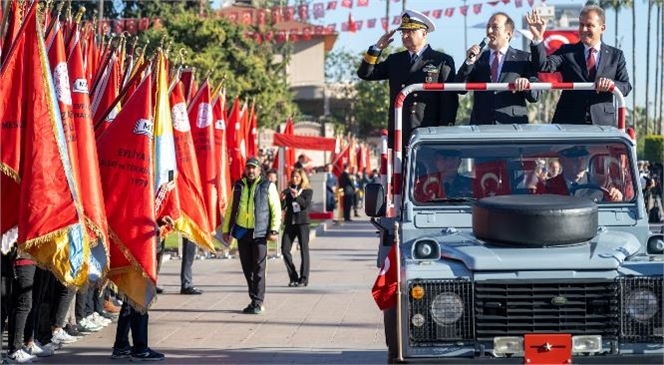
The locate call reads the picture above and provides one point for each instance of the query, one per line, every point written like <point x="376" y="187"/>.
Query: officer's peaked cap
<point x="411" y="19"/>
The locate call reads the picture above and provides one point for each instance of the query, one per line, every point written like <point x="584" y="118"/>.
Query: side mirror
<point x="374" y="200"/>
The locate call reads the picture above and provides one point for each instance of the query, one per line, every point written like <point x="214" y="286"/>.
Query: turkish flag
<point x="384" y="289"/>
<point x="352" y="25"/>
<point x="463" y="10"/>
<point x="362" y="2"/>
<point x="346" y="3"/>
<point x="553" y="39"/>
<point x="491" y="178"/>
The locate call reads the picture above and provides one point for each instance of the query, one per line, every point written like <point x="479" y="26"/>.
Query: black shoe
<point x="191" y="291"/>
<point x="123" y="353"/>
<point x="160" y="290"/>
<point x="348" y="220"/>
<point x="295" y="282"/>
<point x="73" y="331"/>
<point x="148" y="355"/>
<point x="303" y="283"/>
<point x="253" y="309"/>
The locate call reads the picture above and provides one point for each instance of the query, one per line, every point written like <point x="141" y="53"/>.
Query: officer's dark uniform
<point x="420" y="109"/>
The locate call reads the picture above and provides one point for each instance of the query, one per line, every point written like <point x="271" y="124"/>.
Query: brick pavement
<point x="333" y="320"/>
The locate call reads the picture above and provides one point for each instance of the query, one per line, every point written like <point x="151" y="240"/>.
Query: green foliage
<point x="216" y="47"/>
<point x="653" y="148"/>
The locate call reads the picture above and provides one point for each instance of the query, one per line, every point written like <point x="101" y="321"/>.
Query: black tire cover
<point x="535" y="220"/>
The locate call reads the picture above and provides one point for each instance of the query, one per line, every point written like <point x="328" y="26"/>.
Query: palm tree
<point x="658" y="33"/>
<point x="634" y="88"/>
<point x="616" y="5"/>
<point x="650" y="3"/>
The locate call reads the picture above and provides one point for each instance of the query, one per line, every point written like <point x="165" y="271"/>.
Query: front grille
<point x="641" y="296"/>
<point x="431" y="332"/>
<point x="515" y="308"/>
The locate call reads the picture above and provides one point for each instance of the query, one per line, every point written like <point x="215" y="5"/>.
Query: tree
<point x="616" y="5"/>
<point x="215" y="46"/>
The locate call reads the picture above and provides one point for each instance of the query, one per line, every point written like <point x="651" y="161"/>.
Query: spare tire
<point x="535" y="220"/>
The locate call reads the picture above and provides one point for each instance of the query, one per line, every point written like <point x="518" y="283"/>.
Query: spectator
<point x="346" y="183"/>
<point x="258" y="200"/>
<point x="330" y="189"/>
<point x="296" y="200"/>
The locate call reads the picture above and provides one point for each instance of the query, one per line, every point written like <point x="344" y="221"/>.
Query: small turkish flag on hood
<point x="385" y="288"/>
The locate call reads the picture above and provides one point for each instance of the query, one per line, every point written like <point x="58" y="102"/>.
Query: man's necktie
<point x="591" y="65"/>
<point x="494" y="66"/>
<point x="413" y="58"/>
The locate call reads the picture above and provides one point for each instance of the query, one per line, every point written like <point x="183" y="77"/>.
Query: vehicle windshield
<point x="460" y="173"/>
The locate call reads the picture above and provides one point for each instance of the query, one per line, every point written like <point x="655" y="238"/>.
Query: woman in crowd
<point x="296" y="200"/>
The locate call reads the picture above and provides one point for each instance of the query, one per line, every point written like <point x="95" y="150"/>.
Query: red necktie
<point x="494" y="66"/>
<point x="591" y="65"/>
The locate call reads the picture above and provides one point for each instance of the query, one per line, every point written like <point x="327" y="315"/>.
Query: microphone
<point x="482" y="45"/>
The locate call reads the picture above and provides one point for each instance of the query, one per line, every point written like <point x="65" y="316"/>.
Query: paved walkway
<point x="332" y="321"/>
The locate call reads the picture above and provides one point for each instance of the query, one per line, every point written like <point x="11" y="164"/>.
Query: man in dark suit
<point x="590" y="60"/>
<point x="500" y="63"/>
<point x="346" y="183"/>
<point x="419" y="63"/>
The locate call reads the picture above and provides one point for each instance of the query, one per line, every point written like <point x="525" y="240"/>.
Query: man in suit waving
<point x="590" y="60"/>
<point x="419" y="63"/>
<point x="500" y="63"/>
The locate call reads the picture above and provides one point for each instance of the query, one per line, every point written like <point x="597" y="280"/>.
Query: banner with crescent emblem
<point x="491" y="178"/>
<point x="553" y="39"/>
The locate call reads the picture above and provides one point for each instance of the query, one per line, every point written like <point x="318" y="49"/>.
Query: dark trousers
<point x="94" y="302"/>
<point x="253" y="257"/>
<point x="40" y="319"/>
<point x="81" y="301"/>
<point x="161" y="246"/>
<point x="188" y="255"/>
<point x="301" y="232"/>
<point x="348" y="204"/>
<point x="60" y="304"/>
<point x="21" y="304"/>
<point x="138" y="323"/>
<point x="6" y="288"/>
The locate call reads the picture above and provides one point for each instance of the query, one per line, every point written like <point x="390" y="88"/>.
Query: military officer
<point x="419" y="63"/>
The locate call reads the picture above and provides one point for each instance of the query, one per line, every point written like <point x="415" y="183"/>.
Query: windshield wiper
<point x="452" y="199"/>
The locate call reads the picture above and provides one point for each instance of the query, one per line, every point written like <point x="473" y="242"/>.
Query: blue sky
<point x="450" y="33"/>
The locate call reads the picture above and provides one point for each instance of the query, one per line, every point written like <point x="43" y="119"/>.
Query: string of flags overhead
<point x="304" y="13"/>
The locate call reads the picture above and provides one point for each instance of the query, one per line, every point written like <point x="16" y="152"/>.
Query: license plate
<point x="542" y="348"/>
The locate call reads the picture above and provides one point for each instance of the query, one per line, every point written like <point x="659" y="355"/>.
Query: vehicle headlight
<point x="642" y="305"/>
<point x="446" y="308"/>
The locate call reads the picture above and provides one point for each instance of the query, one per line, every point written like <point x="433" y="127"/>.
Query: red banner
<point x="304" y="142"/>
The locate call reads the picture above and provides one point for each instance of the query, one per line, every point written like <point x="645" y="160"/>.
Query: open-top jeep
<point x="501" y="260"/>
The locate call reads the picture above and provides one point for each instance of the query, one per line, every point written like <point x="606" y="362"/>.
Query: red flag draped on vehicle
<point x="50" y="225"/>
<point x="193" y="222"/>
<point x="202" y="132"/>
<point x="125" y="163"/>
<point x="384" y="290"/>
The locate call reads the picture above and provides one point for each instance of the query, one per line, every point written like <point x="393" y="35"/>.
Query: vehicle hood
<point x="606" y="251"/>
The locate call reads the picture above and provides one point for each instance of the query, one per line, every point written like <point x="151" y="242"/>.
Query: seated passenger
<point x="574" y="179"/>
<point x="445" y="182"/>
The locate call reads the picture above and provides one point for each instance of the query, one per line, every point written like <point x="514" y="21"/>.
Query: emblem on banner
<point x="81" y="86"/>
<point x="144" y="127"/>
<point x="61" y="81"/>
<point x="180" y="120"/>
<point x="204" y="117"/>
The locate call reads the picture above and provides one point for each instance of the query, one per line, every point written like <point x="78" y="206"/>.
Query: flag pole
<point x="398" y="263"/>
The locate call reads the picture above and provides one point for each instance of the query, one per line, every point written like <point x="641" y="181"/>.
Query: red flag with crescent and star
<point x="553" y="39"/>
<point x="384" y="290"/>
<point x="491" y="178"/>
